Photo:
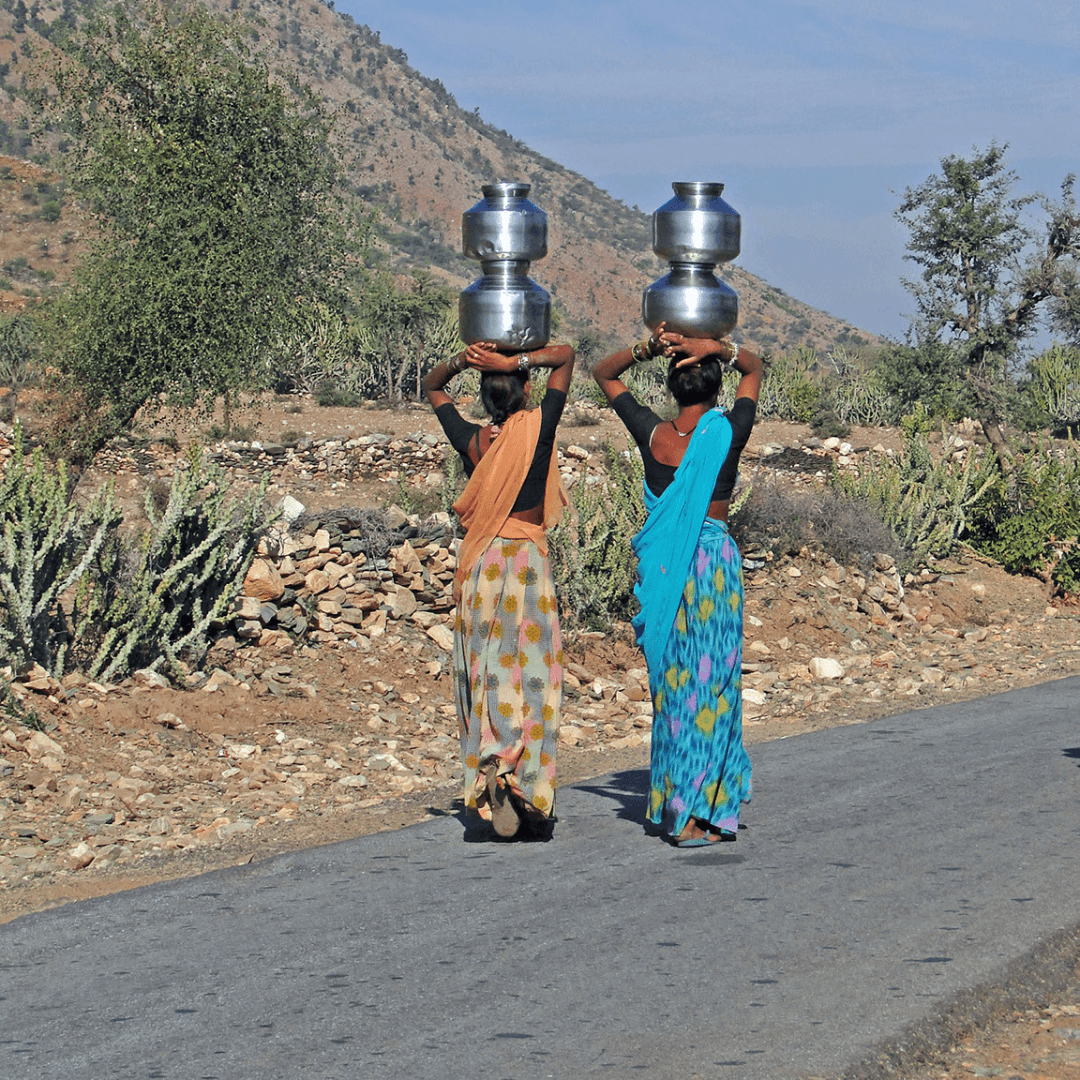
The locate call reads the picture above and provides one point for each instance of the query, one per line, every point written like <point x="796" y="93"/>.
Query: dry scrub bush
<point x="784" y="520"/>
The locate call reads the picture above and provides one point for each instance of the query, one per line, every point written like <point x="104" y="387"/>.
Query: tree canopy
<point x="986" y="272"/>
<point x="217" y="185"/>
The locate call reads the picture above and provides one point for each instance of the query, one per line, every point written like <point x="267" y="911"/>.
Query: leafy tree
<point x="928" y="373"/>
<point x="1065" y="305"/>
<point x="217" y="186"/>
<point x="985" y="272"/>
<point x="400" y="334"/>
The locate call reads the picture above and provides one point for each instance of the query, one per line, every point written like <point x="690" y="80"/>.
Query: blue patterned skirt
<point x="699" y="767"/>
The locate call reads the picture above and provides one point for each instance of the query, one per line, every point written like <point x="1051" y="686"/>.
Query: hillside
<point x="419" y="161"/>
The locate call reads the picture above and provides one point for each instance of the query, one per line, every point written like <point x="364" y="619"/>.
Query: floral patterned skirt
<point x="699" y="768"/>
<point x="508" y="675"/>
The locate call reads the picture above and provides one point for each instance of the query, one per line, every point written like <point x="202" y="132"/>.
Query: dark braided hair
<point x="695" y="384"/>
<point x="502" y="393"/>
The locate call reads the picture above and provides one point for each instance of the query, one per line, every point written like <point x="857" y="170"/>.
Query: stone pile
<point x="323" y="587"/>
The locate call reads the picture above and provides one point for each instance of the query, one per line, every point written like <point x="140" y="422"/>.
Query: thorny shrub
<point x="75" y="595"/>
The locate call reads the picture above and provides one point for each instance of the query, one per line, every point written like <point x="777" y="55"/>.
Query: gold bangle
<point x="635" y="354"/>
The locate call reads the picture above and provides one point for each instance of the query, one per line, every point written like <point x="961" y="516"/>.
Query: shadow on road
<point x="629" y="789"/>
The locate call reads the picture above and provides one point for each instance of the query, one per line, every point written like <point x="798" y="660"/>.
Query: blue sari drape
<point x="666" y="543"/>
<point x="690" y="629"/>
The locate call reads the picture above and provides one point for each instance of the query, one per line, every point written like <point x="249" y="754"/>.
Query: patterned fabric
<point x="665" y="544"/>
<point x="508" y="673"/>
<point x="699" y="767"/>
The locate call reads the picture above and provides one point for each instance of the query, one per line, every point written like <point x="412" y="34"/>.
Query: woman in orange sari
<point x="507" y="646"/>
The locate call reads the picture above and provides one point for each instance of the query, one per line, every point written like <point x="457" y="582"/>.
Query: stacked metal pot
<point x="506" y="233"/>
<point x="694" y="232"/>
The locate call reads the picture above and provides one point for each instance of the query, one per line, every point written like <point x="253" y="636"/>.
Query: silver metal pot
<point x="506" y="307"/>
<point x="696" y="226"/>
<point x="504" y="225"/>
<point x="694" y="231"/>
<point x="691" y="300"/>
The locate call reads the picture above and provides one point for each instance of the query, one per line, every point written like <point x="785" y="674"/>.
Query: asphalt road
<point x="887" y="867"/>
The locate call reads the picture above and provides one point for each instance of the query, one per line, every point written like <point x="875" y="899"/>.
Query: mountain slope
<point x="419" y="160"/>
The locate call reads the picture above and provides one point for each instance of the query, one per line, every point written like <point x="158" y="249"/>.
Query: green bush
<point x="930" y="374"/>
<point x="75" y="595"/>
<point x="927" y="502"/>
<point x="1053" y="387"/>
<point x="592" y="559"/>
<point x="16" y="351"/>
<point x="858" y="394"/>
<point x="1038" y="531"/>
<point x="315" y="351"/>
<point x="789" y="389"/>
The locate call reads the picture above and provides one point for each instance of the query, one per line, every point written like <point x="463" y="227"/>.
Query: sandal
<point x="504" y="818"/>
<point x="712" y="835"/>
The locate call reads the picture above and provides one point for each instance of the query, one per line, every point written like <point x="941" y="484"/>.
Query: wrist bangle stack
<point x="523" y="363"/>
<point x="452" y="365"/>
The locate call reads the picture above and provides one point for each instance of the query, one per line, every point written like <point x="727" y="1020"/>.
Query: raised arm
<point x="434" y="381"/>
<point x="694" y="350"/>
<point x="607" y="371"/>
<point x="560" y="360"/>
<point x="483" y="356"/>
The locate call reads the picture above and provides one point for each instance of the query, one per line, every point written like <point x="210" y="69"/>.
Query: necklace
<point x="683" y="434"/>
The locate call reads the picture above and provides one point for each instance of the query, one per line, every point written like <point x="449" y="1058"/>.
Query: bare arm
<point x="694" y="350"/>
<point x="438" y="377"/>
<point x="482" y="356"/>
<point x="607" y="371"/>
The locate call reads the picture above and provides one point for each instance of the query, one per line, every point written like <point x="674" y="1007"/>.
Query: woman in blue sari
<point x="690" y="581"/>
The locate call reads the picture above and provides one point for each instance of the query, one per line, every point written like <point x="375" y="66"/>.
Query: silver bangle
<point x="452" y="365"/>
<point x="523" y="363"/>
<point x="734" y="353"/>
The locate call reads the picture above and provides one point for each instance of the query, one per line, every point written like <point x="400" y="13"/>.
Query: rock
<point x="79" y="857"/>
<point x="241" y="751"/>
<point x="403" y="603"/>
<point x="133" y="786"/>
<point x="823" y="667"/>
<point x="263" y="582"/>
<point x="247" y="607"/>
<point x="404" y="561"/>
<point x="442" y="635"/>
<point x="151" y="679"/>
<point x="352" y="781"/>
<point x="39" y="745"/>
<point x="291" y="508"/>
<point x="317" y="581"/>
<point x="396" y="518"/>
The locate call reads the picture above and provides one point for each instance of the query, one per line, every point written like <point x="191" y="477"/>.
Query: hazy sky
<point x="815" y="114"/>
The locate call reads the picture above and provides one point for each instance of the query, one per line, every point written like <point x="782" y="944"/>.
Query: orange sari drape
<point x="489" y="496"/>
